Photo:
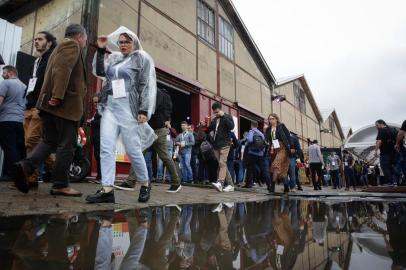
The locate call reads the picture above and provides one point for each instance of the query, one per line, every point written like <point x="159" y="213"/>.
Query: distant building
<point x="332" y="135"/>
<point x="302" y="116"/>
<point x="299" y="111"/>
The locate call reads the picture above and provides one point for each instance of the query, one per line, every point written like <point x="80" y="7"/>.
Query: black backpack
<point x="258" y="142"/>
<point x="207" y="151"/>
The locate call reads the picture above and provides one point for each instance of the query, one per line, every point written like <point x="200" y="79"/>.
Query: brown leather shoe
<point x="68" y="192"/>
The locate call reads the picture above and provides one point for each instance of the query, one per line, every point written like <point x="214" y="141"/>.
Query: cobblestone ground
<point x="14" y="203"/>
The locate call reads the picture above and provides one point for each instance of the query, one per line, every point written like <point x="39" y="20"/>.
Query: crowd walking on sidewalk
<point x="39" y="125"/>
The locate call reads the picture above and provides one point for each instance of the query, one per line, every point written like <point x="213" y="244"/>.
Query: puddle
<point x="277" y="234"/>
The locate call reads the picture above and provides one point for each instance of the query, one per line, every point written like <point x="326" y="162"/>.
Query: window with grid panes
<point x="205" y="22"/>
<point x="226" y="39"/>
<point x="332" y="127"/>
<point x="300" y="98"/>
<point x="302" y="101"/>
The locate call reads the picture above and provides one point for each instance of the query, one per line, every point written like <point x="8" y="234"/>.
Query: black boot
<point x="101" y="196"/>
<point x="286" y="188"/>
<point x="144" y="194"/>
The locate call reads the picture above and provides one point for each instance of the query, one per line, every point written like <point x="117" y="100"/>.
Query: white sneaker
<point x="124" y="186"/>
<point x="177" y="207"/>
<point x="228" y="188"/>
<point x="229" y="204"/>
<point x="218" y="186"/>
<point x="174" y="188"/>
<point x="218" y="209"/>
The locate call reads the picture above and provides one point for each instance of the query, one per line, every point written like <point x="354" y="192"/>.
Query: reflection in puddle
<point x="278" y="234"/>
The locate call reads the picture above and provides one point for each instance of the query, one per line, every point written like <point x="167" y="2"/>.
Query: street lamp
<point x="278" y="98"/>
<point x="326" y="130"/>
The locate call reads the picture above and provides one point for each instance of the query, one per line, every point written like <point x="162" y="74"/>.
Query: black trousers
<point x="253" y="162"/>
<point x="59" y="136"/>
<point x="315" y="168"/>
<point x="96" y="147"/>
<point x="12" y="143"/>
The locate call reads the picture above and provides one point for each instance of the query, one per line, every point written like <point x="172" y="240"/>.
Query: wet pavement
<point x="14" y="203"/>
<point x="279" y="233"/>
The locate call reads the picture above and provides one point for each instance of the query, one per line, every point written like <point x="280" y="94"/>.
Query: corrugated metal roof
<point x="288" y="79"/>
<point x="325" y="113"/>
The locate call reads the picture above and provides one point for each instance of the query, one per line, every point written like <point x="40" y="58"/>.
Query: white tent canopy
<point x="362" y="143"/>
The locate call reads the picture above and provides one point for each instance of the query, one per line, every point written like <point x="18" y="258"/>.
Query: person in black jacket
<point x="160" y="122"/>
<point x="219" y="131"/>
<point x="278" y="137"/>
<point x="232" y="155"/>
<point x="295" y="154"/>
<point x="45" y="44"/>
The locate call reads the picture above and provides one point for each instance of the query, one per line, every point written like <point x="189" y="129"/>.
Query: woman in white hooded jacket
<point x="126" y="102"/>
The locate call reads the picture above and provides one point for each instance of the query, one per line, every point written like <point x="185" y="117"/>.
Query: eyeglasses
<point x="122" y="42"/>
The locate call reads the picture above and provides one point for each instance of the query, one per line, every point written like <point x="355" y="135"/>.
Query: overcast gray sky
<point x="352" y="52"/>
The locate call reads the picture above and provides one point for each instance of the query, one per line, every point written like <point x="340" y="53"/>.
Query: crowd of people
<point x="276" y="234"/>
<point x="39" y="125"/>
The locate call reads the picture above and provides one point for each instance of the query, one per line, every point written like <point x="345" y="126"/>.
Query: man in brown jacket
<point x="61" y="107"/>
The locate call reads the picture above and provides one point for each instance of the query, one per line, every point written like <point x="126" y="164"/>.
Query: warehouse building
<point x="302" y="116"/>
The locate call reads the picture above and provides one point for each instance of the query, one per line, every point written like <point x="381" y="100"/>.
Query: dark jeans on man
<point x="349" y="177"/>
<point x="194" y="165"/>
<point x="96" y="147"/>
<point x="12" y="143"/>
<point x="387" y="162"/>
<point x="60" y="136"/>
<point x="335" y="178"/>
<point x="230" y="167"/>
<point x="315" y="168"/>
<point x="294" y="180"/>
<point x="253" y="161"/>
<point x="207" y="170"/>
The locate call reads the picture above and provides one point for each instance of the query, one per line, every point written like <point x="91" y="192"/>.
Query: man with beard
<point x="44" y="43"/>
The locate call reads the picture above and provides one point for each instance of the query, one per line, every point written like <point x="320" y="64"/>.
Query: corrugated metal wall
<point x="10" y="42"/>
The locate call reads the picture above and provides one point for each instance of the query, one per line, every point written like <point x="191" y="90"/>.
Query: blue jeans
<point x="241" y="170"/>
<point x="387" y="162"/>
<point x="292" y="173"/>
<point x="187" y="175"/>
<point x="148" y="161"/>
<point x="230" y="167"/>
<point x="364" y="179"/>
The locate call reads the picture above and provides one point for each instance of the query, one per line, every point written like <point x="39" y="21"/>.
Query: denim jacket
<point x="189" y="141"/>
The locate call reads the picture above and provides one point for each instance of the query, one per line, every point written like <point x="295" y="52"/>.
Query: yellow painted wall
<point x="288" y="115"/>
<point x="114" y="13"/>
<point x="167" y="43"/>
<point x="248" y="91"/>
<point x="244" y="59"/>
<point x="227" y="79"/>
<point x="183" y="12"/>
<point x="266" y="100"/>
<point x="53" y="17"/>
<point x="207" y="67"/>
